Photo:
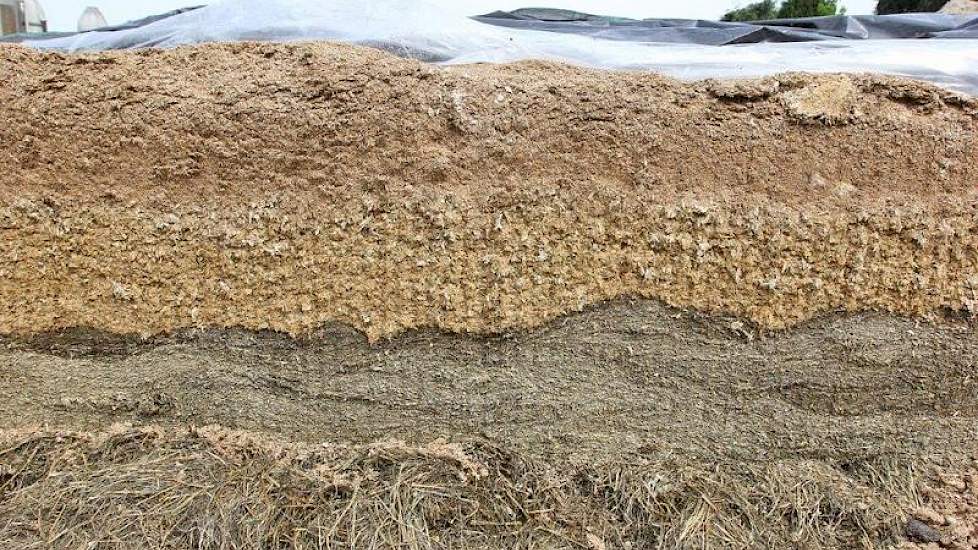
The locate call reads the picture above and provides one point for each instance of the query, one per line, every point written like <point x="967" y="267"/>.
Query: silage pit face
<point x="496" y="271"/>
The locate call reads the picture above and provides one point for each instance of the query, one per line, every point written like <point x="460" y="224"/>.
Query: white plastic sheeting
<point x="436" y="31"/>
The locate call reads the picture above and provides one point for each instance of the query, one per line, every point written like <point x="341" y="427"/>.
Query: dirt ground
<point x="316" y="296"/>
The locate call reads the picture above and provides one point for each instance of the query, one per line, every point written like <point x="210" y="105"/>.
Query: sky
<point x="63" y="14"/>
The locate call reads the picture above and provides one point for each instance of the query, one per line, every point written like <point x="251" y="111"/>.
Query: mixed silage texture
<point x="216" y="488"/>
<point x="594" y="310"/>
<point x="288" y="186"/>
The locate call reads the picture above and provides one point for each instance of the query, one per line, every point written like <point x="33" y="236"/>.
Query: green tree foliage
<point x="767" y="9"/>
<point x="808" y="8"/>
<point x="886" y="7"/>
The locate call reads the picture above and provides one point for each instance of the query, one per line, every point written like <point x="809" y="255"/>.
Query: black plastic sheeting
<point x="720" y="33"/>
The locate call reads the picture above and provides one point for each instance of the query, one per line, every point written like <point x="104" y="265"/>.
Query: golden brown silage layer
<point x="286" y="186"/>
